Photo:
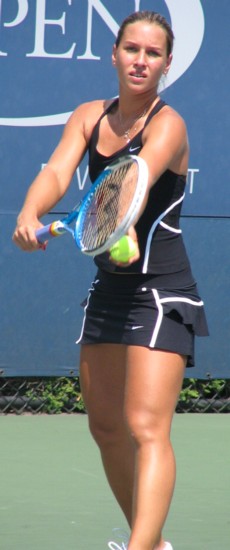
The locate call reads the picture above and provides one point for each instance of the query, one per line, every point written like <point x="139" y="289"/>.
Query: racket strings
<point x="127" y="190"/>
<point x="109" y="206"/>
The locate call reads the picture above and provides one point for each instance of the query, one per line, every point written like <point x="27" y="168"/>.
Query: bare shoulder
<point x="87" y="114"/>
<point x="169" y="118"/>
<point x="166" y="127"/>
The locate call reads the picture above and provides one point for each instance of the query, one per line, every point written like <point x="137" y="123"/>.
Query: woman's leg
<point x="153" y="383"/>
<point x="145" y="384"/>
<point x="102" y="373"/>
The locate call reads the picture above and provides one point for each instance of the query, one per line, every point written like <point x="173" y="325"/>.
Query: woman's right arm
<point x="52" y="182"/>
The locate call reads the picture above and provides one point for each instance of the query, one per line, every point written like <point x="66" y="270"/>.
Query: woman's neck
<point x="128" y="117"/>
<point x="132" y="106"/>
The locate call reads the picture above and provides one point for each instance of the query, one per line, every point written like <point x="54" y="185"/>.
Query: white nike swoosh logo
<point x="138" y="326"/>
<point x="134" y="149"/>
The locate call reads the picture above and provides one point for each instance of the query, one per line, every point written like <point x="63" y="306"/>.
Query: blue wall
<point x="53" y="56"/>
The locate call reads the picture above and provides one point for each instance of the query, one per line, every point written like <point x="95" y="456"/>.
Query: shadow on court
<point x="54" y="495"/>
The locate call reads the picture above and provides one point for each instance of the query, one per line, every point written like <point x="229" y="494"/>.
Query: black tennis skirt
<point x="130" y="310"/>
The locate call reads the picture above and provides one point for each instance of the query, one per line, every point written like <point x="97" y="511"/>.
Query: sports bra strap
<point x="155" y="110"/>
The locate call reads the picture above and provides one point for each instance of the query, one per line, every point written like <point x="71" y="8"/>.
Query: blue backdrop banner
<point x="54" y="56"/>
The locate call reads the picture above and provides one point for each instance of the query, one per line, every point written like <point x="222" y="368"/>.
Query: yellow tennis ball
<point x="123" y="249"/>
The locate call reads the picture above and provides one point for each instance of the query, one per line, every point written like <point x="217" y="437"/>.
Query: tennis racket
<point x="108" y="209"/>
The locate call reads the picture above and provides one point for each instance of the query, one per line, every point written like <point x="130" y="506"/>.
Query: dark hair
<point x="150" y="17"/>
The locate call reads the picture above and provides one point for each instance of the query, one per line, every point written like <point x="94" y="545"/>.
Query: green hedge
<point x="58" y="395"/>
<point x="64" y="394"/>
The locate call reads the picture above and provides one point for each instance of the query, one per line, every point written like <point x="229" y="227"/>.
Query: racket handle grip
<point x="55" y="229"/>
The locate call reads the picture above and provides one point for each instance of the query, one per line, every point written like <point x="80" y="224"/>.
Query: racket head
<point x="111" y="205"/>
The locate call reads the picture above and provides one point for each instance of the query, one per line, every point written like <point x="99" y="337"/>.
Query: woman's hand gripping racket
<point x="108" y="210"/>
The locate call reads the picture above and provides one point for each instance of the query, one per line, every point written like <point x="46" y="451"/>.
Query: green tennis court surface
<point x="54" y="495"/>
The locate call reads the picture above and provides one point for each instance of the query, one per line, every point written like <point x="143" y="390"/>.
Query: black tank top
<point x="162" y="251"/>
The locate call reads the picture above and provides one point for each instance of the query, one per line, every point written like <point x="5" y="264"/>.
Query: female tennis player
<point x="140" y="319"/>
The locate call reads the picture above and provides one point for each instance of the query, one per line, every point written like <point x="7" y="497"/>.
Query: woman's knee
<point x="107" y="431"/>
<point x="145" y="427"/>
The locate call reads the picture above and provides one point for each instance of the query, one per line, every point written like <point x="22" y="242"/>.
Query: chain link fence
<point x="63" y="395"/>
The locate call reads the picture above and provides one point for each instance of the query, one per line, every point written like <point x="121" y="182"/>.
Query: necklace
<point x="126" y="132"/>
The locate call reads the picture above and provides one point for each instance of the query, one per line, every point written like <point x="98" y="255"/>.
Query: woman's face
<point x="141" y="57"/>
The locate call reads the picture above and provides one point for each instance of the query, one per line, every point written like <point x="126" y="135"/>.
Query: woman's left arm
<point x="165" y="145"/>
